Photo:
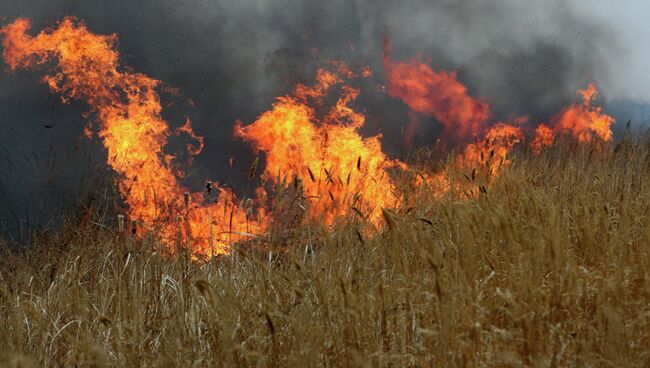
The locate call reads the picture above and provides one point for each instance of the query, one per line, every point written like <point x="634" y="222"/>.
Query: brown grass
<point x="550" y="267"/>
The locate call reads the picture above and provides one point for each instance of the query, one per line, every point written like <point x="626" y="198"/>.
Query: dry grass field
<point x="550" y="267"/>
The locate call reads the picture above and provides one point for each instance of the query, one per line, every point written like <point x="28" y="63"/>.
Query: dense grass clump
<point x="548" y="265"/>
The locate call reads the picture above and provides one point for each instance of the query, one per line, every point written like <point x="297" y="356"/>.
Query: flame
<point x="85" y="66"/>
<point x="491" y="152"/>
<point x="437" y="94"/>
<point x="584" y="121"/>
<point x="441" y="95"/>
<point x="544" y="137"/>
<point x="339" y="169"/>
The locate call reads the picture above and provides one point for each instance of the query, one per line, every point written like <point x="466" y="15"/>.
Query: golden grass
<point x="550" y="267"/>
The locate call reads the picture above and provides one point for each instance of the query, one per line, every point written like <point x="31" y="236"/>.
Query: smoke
<point x="231" y="58"/>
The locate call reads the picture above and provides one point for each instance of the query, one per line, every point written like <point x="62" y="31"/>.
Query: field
<point x="549" y="267"/>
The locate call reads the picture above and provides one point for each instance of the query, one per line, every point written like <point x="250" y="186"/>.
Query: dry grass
<point x="551" y="267"/>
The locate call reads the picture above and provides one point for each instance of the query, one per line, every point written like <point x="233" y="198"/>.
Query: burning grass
<point x="547" y="266"/>
<point x="296" y="142"/>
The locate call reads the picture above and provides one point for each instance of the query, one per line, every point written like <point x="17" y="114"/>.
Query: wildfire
<point x="492" y="151"/>
<point x="338" y="168"/>
<point x="85" y="66"/>
<point x="336" y="171"/>
<point x="438" y="94"/>
<point x="585" y="121"/>
<point x="544" y="137"/>
<point x="465" y="118"/>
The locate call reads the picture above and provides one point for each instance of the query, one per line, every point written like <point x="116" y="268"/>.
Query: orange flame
<point x="437" y="94"/>
<point x="339" y="169"/>
<point x="491" y="153"/>
<point x="127" y="106"/>
<point x="483" y="159"/>
<point x="584" y="121"/>
<point x="544" y="137"/>
<point x="441" y="95"/>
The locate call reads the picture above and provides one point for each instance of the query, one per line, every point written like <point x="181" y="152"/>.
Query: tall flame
<point x="585" y="121"/>
<point x="85" y="66"/>
<point x="437" y="94"/>
<point x="465" y="118"/>
<point x="339" y="169"/>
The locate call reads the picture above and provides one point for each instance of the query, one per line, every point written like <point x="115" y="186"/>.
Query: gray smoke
<point x="233" y="57"/>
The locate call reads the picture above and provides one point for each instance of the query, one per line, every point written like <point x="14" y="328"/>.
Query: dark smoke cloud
<point x="233" y="57"/>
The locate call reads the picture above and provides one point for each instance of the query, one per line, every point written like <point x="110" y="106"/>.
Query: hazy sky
<point x="629" y="63"/>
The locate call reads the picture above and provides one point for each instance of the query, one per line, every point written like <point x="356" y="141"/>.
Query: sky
<point x="629" y="60"/>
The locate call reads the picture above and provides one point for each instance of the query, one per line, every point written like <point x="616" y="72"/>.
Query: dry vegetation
<point x="550" y="267"/>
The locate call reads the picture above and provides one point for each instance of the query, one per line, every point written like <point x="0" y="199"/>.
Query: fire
<point x="492" y="151"/>
<point x="336" y="171"/>
<point x="584" y="121"/>
<point x="544" y="137"/>
<point x="437" y="94"/>
<point x="338" y="168"/>
<point x="441" y="95"/>
<point x="85" y="66"/>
